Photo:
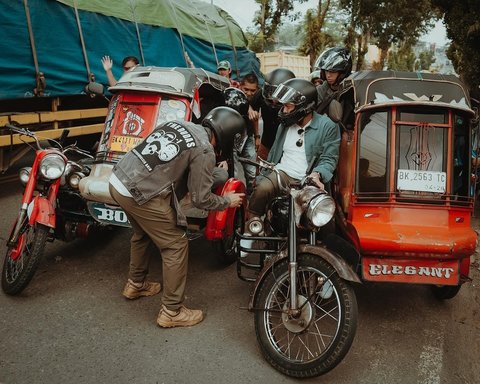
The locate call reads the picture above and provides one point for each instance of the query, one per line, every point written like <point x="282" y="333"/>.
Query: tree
<point x="386" y="22"/>
<point x="425" y="60"/>
<point x="461" y="19"/>
<point x="401" y="58"/>
<point x="268" y="19"/>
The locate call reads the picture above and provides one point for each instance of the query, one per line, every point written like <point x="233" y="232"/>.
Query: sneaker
<point x="184" y="317"/>
<point x="135" y="290"/>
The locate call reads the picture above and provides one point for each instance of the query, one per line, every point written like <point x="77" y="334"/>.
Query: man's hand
<point x="315" y="177"/>
<point x="252" y="114"/>
<point x="236" y="199"/>
<point x="223" y="164"/>
<point x="107" y="63"/>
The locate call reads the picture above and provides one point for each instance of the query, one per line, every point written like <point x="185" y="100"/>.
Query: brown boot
<point x="184" y="317"/>
<point x="135" y="290"/>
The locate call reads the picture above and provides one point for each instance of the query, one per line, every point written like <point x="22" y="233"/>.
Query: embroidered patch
<point x="163" y="145"/>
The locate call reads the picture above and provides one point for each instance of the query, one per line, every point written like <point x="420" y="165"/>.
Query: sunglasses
<point x="299" y="142"/>
<point x="128" y="68"/>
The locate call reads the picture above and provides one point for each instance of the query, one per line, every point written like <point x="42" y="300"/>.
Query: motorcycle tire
<point x="16" y="274"/>
<point x="445" y="292"/>
<point x="316" y="341"/>
<point x="227" y="247"/>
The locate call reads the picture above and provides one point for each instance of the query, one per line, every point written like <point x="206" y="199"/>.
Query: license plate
<point x="411" y="271"/>
<point x="108" y="214"/>
<point x="124" y="143"/>
<point x="421" y="181"/>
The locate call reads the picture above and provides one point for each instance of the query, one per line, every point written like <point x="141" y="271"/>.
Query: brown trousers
<point x="155" y="222"/>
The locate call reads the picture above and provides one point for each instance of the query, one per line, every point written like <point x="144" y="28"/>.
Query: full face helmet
<point x="299" y="92"/>
<point x="226" y="123"/>
<point x="273" y="80"/>
<point x="335" y="59"/>
<point x="236" y="99"/>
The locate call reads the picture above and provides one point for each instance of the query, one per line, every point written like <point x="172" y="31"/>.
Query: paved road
<point x="72" y="325"/>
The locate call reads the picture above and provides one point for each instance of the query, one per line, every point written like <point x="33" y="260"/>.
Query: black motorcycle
<point x="305" y="307"/>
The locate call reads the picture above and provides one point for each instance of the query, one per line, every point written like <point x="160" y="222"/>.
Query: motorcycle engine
<point x="278" y="216"/>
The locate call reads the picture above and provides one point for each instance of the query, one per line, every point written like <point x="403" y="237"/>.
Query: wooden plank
<point x="47" y="117"/>
<point x="6" y="141"/>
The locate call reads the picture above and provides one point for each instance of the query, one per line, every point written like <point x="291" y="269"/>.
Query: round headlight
<point x="24" y="174"/>
<point x="52" y="166"/>
<point x="320" y="210"/>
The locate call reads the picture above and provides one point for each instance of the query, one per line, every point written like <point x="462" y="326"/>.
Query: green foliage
<point x="461" y="20"/>
<point x="401" y="58"/>
<point x="425" y="60"/>
<point x="386" y="22"/>
<point x="269" y="18"/>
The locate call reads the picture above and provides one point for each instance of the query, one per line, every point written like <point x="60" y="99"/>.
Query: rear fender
<point x="342" y="268"/>
<point x="220" y="223"/>
<point x="41" y="211"/>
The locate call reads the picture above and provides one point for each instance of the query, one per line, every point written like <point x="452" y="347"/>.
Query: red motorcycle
<point x="38" y="221"/>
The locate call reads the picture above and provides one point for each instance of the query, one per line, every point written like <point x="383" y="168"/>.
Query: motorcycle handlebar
<point x="59" y="143"/>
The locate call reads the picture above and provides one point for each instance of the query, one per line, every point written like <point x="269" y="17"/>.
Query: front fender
<point x="41" y="212"/>
<point x="343" y="269"/>
<point x="220" y="223"/>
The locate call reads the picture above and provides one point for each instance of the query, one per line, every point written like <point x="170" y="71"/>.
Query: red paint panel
<point x="438" y="272"/>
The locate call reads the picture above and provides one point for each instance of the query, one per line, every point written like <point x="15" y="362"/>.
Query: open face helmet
<point x="272" y="80"/>
<point x="235" y="98"/>
<point x="299" y="92"/>
<point x="337" y="59"/>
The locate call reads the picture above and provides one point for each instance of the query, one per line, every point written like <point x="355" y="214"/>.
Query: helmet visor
<point x="288" y="95"/>
<point x="267" y="90"/>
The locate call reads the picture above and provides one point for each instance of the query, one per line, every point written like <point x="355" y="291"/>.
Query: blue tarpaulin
<point x="56" y="35"/>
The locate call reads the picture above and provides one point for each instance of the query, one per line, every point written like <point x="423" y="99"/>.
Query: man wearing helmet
<point x="149" y="185"/>
<point x="334" y="64"/>
<point x="303" y="138"/>
<point x="270" y="108"/>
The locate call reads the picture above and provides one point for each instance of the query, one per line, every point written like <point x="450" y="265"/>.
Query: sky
<point x="243" y="11"/>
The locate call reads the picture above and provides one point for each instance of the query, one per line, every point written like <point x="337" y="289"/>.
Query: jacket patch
<point x="163" y="145"/>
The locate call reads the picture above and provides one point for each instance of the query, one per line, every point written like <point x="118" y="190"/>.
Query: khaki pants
<point x="265" y="191"/>
<point x="155" y="222"/>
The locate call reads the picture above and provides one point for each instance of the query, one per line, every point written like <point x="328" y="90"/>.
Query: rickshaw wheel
<point x="227" y="247"/>
<point x="445" y="292"/>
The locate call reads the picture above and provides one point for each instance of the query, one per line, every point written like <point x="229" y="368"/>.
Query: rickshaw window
<point x="461" y="156"/>
<point x="373" y="150"/>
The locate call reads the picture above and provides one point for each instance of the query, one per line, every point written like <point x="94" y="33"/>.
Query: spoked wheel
<point x="313" y="340"/>
<point x="21" y="260"/>
<point x="227" y="247"/>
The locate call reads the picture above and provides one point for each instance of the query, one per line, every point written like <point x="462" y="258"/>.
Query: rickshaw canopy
<point x="176" y="81"/>
<point x="384" y="88"/>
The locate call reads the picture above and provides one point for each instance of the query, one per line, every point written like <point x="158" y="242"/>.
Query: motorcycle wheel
<point x="314" y="342"/>
<point x="17" y="273"/>
<point x="445" y="292"/>
<point x="227" y="247"/>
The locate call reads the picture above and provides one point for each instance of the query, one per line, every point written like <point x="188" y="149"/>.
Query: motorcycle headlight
<point x="24" y="174"/>
<point x="52" y="166"/>
<point x="313" y="208"/>
<point x="320" y="210"/>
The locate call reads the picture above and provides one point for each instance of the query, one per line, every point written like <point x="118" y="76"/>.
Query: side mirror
<point x="94" y="89"/>
<point x="335" y="111"/>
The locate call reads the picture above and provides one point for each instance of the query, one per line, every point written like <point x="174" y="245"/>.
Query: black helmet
<point x="235" y="98"/>
<point x="335" y="59"/>
<point x="273" y="80"/>
<point x="300" y="92"/>
<point x="226" y="123"/>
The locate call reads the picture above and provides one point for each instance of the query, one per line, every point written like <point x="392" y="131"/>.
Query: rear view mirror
<point x="335" y="111"/>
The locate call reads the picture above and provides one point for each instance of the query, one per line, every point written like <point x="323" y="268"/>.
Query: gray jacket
<point x="175" y="158"/>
